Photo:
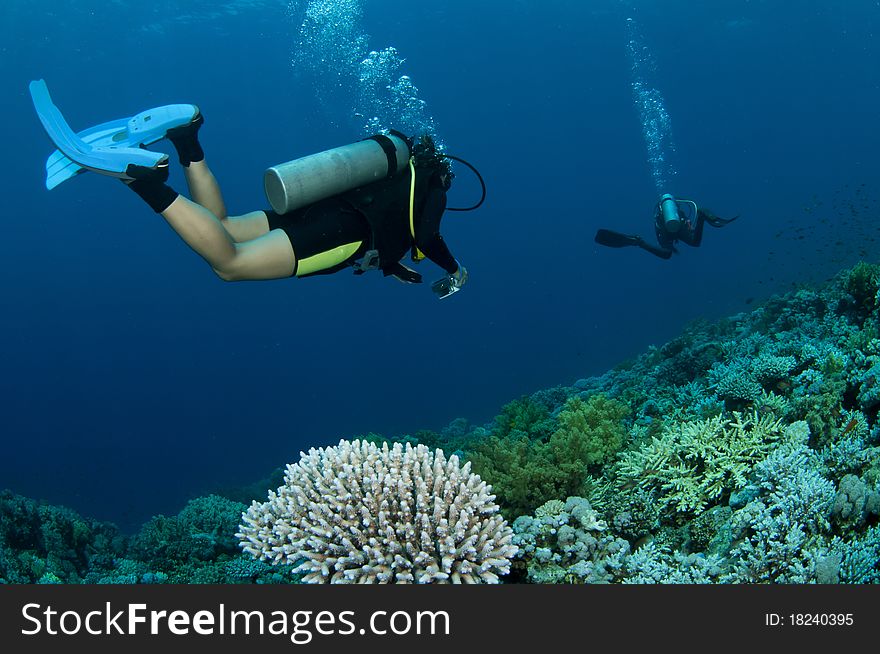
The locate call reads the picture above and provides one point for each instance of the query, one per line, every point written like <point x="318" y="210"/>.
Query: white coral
<point x="357" y="513"/>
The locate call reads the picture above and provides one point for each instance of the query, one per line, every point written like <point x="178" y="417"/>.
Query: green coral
<point x="525" y="470"/>
<point x="524" y="416"/>
<point x="200" y="535"/>
<point x="589" y="433"/>
<point x="862" y="284"/>
<point x="772" y="404"/>
<point x="821" y="410"/>
<point x="213" y="518"/>
<point x="693" y="464"/>
<point x="521" y="472"/>
<point x="41" y="543"/>
<point x="768" y="369"/>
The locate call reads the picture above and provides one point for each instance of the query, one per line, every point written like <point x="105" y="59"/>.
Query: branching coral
<point x="694" y="463"/>
<point x="355" y="513"/>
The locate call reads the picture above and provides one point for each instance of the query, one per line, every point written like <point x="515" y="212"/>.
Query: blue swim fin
<point x="109" y="148"/>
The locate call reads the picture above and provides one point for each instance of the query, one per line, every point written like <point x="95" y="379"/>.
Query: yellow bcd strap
<point x="418" y="255"/>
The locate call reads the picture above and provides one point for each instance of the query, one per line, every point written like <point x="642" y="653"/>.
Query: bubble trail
<point x="655" y="120"/>
<point x="352" y="82"/>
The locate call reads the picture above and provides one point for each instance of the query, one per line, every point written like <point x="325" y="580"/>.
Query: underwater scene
<point x="473" y="292"/>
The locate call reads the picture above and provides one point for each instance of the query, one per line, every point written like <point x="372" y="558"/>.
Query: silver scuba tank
<point x="300" y="182"/>
<point x="669" y="213"/>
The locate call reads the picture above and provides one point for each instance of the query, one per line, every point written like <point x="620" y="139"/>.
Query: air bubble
<point x="655" y="120"/>
<point x="350" y="79"/>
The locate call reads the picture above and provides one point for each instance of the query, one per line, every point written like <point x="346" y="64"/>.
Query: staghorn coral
<point x="657" y="564"/>
<point x="734" y="383"/>
<point x="694" y="463"/>
<point x="355" y="513"/>
<point x="860" y="557"/>
<point x="768" y="369"/>
<point x="780" y="536"/>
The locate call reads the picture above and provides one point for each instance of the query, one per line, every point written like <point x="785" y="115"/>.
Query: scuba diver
<point x="674" y="220"/>
<point x="360" y="206"/>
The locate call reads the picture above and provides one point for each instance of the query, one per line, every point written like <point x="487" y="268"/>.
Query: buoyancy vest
<point x="385" y="205"/>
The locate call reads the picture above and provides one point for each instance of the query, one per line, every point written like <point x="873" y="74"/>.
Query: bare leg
<point x="269" y="256"/>
<point x="236" y="248"/>
<point x="204" y="189"/>
<point x="247" y="227"/>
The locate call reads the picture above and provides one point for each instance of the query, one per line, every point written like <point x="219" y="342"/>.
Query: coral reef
<point x="533" y="456"/>
<point x="751" y="444"/>
<point x="742" y="451"/>
<point x="695" y="463"/>
<point x="565" y="543"/>
<point x="46" y="544"/>
<point x="40" y="543"/>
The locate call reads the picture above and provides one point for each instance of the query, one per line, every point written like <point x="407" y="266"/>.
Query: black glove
<point x="406" y="275"/>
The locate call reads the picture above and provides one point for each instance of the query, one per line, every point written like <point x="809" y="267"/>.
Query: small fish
<point x="849" y="427"/>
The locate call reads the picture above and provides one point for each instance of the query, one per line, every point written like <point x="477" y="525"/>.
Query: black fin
<point x="615" y="239"/>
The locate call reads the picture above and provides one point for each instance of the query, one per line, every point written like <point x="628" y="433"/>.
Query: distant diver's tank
<point x="317" y="176"/>
<point x="669" y="213"/>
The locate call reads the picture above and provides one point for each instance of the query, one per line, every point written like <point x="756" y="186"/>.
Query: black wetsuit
<point x="688" y="233"/>
<point x="376" y="217"/>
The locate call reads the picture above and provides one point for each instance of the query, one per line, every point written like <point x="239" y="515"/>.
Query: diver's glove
<point x="452" y="283"/>
<point x="406" y="275"/>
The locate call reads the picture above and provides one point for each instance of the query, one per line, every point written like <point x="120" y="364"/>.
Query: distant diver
<point x="361" y="206"/>
<point x="674" y="220"/>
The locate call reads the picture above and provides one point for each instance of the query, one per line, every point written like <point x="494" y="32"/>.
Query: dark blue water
<point x="132" y="378"/>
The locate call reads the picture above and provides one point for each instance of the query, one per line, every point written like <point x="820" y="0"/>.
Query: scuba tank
<point x="669" y="213"/>
<point x="300" y="182"/>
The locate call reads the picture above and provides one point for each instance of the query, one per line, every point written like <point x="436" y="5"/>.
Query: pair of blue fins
<point x="115" y="148"/>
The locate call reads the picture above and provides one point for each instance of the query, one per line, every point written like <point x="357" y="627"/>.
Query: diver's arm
<point x="438" y="252"/>
<point x="428" y="235"/>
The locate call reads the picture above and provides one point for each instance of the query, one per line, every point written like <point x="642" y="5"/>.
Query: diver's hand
<point x="450" y="283"/>
<point x="460" y="276"/>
